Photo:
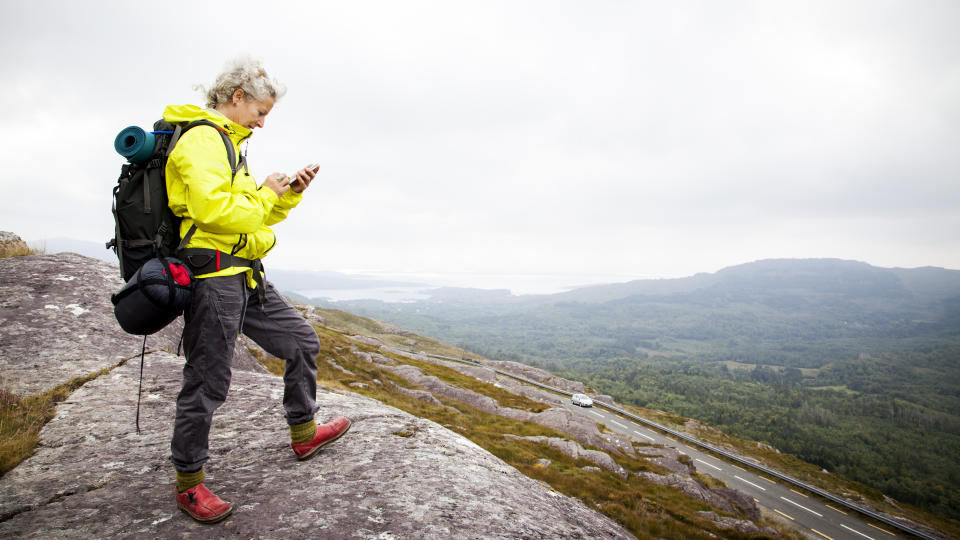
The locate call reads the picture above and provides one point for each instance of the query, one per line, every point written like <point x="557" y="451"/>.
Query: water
<point x="384" y="294"/>
<point x="517" y="284"/>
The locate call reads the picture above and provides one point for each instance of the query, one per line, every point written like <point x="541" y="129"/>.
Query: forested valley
<point x="845" y="365"/>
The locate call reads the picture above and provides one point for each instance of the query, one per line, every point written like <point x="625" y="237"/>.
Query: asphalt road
<point x="804" y="511"/>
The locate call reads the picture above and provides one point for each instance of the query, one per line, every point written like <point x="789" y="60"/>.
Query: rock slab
<point x="392" y="476"/>
<point x="57" y="323"/>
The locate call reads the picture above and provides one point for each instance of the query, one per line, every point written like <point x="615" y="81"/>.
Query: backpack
<point x="145" y="227"/>
<point x="147" y="235"/>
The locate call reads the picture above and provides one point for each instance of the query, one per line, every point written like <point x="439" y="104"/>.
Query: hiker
<point x="232" y="217"/>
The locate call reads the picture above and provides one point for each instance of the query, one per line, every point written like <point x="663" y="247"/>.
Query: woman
<point x="225" y="226"/>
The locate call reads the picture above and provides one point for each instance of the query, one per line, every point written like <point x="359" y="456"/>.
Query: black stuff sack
<point x="156" y="294"/>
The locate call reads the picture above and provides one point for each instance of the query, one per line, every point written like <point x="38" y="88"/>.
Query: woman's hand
<point x="277" y="182"/>
<point x="303" y="177"/>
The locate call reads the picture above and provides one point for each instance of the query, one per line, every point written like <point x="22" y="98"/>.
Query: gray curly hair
<point x="247" y="74"/>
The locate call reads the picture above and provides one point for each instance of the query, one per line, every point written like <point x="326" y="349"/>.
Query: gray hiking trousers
<point x="219" y="306"/>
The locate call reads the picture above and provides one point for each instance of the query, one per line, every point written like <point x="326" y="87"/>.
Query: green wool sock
<point x="186" y="480"/>
<point x="302" y="433"/>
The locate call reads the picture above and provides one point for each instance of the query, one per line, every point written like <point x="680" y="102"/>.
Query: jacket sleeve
<point x="213" y="203"/>
<point x="287" y="202"/>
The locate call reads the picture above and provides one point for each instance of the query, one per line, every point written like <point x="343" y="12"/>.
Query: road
<point x="838" y="520"/>
<point x="821" y="519"/>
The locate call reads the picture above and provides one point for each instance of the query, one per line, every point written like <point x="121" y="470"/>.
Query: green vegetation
<point x="646" y="509"/>
<point x="853" y="368"/>
<point x="860" y="435"/>
<point x="22" y="418"/>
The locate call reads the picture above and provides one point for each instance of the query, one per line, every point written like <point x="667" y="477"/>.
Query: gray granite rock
<point x="577" y="426"/>
<point x="392" y="476"/>
<point x="12" y="244"/>
<point x="574" y="450"/>
<point x="729" y="500"/>
<point x="689" y="487"/>
<point x="741" y="526"/>
<point x="539" y="375"/>
<point x="55" y="311"/>
<point x="741" y="500"/>
<point x="667" y="457"/>
<point x="488" y="375"/>
<point x="603" y="398"/>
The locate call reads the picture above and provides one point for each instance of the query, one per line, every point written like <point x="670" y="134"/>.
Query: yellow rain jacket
<point x="232" y="218"/>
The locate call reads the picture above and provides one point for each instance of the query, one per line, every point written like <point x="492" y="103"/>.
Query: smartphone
<point x="314" y="166"/>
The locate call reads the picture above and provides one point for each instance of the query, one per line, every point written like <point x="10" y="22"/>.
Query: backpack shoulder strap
<point x="179" y="130"/>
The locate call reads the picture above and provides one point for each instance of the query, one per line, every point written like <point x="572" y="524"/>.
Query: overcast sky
<point x="520" y="143"/>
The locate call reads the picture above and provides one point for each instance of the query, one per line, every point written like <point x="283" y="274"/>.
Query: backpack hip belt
<point x="207" y="260"/>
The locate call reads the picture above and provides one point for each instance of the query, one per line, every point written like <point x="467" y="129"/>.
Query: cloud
<point x="626" y="138"/>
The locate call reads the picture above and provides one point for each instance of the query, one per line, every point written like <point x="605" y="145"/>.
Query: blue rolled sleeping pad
<point x="135" y="144"/>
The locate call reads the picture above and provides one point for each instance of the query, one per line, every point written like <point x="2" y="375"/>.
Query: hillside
<point x="838" y="362"/>
<point x="450" y="465"/>
<point x="651" y="490"/>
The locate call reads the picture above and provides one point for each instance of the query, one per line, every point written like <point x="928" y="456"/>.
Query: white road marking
<point x="642" y="435"/>
<point x="818" y="514"/>
<point x="614" y="422"/>
<point x="598" y="415"/>
<point x="709" y="464"/>
<point x="751" y="483"/>
<point x="856" y="531"/>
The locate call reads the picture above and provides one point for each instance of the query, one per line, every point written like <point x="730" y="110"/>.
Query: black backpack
<point x="159" y="287"/>
<point x="145" y="226"/>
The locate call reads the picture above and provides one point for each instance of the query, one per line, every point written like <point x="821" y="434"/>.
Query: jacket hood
<point x="176" y="114"/>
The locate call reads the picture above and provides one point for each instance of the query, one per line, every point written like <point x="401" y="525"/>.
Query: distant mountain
<point x="791" y="276"/>
<point x="788" y="286"/>
<point x="770" y="304"/>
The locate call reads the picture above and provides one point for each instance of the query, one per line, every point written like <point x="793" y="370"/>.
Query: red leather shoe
<point x="202" y="505"/>
<point x="326" y="434"/>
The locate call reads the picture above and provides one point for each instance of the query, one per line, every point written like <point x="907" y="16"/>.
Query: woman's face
<point x="252" y="113"/>
<point x="249" y="113"/>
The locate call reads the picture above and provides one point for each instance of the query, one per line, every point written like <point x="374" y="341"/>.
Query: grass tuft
<point x="17" y="250"/>
<point x="22" y="418"/>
